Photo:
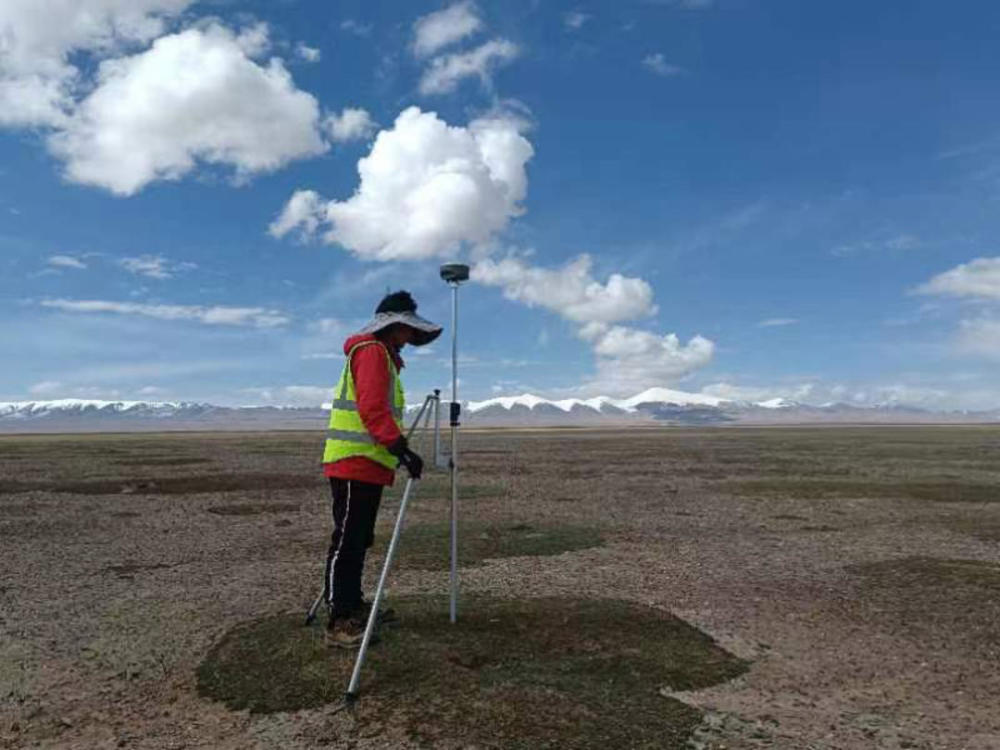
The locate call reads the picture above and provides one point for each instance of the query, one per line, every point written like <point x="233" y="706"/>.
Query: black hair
<point x="396" y="302"/>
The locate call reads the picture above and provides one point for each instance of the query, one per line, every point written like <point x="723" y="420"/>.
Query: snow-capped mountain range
<point x="600" y="403"/>
<point x="89" y="415"/>
<point x="652" y="406"/>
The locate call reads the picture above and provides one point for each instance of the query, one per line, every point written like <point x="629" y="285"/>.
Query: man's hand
<point x="413" y="463"/>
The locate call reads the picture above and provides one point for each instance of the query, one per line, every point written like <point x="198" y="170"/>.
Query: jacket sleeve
<point x="371" y="384"/>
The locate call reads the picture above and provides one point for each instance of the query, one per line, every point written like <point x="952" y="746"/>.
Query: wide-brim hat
<point x="424" y="332"/>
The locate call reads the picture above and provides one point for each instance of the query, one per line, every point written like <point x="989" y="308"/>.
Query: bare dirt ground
<point x="856" y="571"/>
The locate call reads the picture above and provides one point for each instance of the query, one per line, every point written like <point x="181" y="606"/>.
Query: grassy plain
<point x="833" y="587"/>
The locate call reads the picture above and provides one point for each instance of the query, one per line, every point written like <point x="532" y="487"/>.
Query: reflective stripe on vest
<point x="348" y="405"/>
<point x="346" y="434"/>
<point x="350" y="436"/>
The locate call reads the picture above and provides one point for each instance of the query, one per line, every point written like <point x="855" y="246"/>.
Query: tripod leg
<point x="439" y="461"/>
<point x="416" y="421"/>
<point x="352" y="688"/>
<point x="311" y="614"/>
<point x="427" y="422"/>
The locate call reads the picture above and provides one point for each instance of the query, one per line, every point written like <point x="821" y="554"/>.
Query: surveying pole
<point x="454" y="274"/>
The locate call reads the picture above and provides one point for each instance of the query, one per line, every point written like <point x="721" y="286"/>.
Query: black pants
<point x="355" y="507"/>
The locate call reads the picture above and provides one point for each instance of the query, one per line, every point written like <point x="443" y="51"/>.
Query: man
<point x="364" y="445"/>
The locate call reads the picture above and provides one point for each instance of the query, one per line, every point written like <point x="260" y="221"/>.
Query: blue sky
<point x="776" y="198"/>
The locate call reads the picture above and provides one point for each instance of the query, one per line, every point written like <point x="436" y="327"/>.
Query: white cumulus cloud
<point x="571" y="291"/>
<point x="290" y="395"/>
<point x="351" y="124"/>
<point x="444" y="27"/>
<point x="38" y="38"/>
<point x="979" y="281"/>
<point x="980" y="337"/>
<point x="309" y="54"/>
<point x="357" y="28"/>
<point x="979" y="278"/>
<point x="627" y="359"/>
<point x="66" y="261"/>
<point x="444" y="73"/>
<point x="734" y="392"/>
<point x="304" y="212"/>
<point x="45" y="388"/>
<point x="426" y="188"/>
<point x="777" y="322"/>
<point x="575" y="19"/>
<point x="154" y="266"/>
<point x="658" y="64"/>
<point x="193" y="96"/>
<point x="257" y="317"/>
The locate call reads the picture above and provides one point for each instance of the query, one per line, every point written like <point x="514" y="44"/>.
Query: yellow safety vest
<point x="346" y="433"/>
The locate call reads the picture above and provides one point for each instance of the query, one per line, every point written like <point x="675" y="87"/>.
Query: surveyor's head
<point x="396" y="322"/>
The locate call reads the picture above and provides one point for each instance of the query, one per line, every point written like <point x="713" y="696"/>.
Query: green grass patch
<point x="253" y="509"/>
<point x="808" y="489"/>
<point x="930" y="572"/>
<point x="532" y="673"/>
<point x="182" y="485"/>
<point x="161" y="461"/>
<point x="427" y="546"/>
<point x="950" y="606"/>
<point x="981" y="528"/>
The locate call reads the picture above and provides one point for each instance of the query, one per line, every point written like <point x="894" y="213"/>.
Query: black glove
<point x="413" y="463"/>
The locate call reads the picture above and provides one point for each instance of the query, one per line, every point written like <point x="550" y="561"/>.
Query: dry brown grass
<point x="851" y="566"/>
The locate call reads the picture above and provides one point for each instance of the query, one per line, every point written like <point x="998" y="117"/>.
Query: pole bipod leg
<point x="311" y="614"/>
<point x="352" y="694"/>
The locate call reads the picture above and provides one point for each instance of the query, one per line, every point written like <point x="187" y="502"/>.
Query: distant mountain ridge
<point x="90" y="415"/>
<point x="653" y="406"/>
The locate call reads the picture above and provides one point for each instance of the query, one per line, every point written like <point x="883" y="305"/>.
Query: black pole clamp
<point x="456" y="411"/>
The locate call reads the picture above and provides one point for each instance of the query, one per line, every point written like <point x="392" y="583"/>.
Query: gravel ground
<point x="863" y="629"/>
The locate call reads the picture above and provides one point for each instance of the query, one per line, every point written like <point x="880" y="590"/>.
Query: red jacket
<point x="371" y="383"/>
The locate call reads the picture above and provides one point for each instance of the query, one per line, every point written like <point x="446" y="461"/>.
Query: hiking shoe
<point x="384" y="617"/>
<point x="348" y="632"/>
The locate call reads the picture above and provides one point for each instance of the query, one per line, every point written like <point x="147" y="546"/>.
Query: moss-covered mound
<point x="566" y="673"/>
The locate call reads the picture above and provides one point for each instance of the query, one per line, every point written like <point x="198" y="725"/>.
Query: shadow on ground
<point x="568" y="673"/>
